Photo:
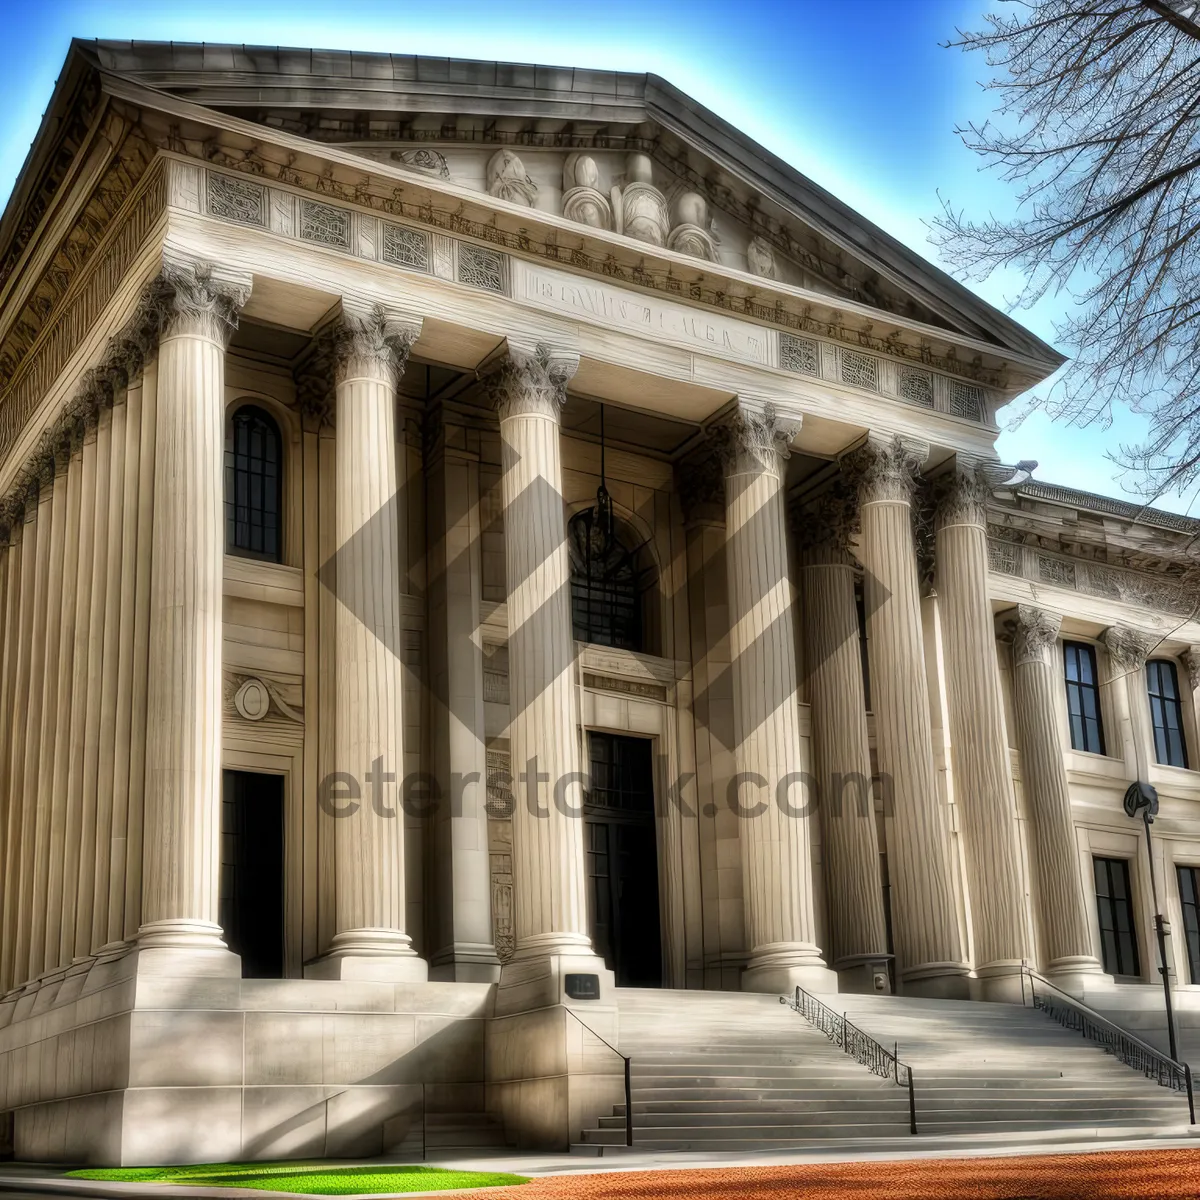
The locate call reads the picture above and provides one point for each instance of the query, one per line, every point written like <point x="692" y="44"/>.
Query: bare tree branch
<point x="1097" y="123"/>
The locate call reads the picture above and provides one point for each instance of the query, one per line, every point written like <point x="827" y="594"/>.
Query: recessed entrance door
<point x="251" y="901"/>
<point x="623" y="859"/>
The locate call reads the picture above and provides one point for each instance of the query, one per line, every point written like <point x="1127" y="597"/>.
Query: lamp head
<point x="1141" y="798"/>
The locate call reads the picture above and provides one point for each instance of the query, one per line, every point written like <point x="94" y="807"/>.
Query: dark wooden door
<point x="251" y="897"/>
<point x="622" y="858"/>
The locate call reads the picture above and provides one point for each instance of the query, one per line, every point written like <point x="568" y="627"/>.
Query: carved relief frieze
<point x="1007" y="556"/>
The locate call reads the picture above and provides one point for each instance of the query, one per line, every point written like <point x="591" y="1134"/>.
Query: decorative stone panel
<point x="801" y="355"/>
<point x="860" y="370"/>
<point x="325" y="223"/>
<point x="480" y="267"/>
<point x="238" y="200"/>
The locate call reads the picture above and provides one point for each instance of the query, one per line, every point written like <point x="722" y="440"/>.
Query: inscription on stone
<point x="622" y="310"/>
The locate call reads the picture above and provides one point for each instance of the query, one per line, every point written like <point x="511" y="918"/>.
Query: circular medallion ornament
<point x="252" y="700"/>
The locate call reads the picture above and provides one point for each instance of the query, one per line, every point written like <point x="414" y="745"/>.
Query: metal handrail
<point x="1130" y="1049"/>
<point x="860" y="1046"/>
<point x="628" y="1075"/>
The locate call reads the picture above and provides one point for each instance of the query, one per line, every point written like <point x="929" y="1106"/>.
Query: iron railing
<point x="859" y="1046"/>
<point x="628" y="1075"/>
<point x="1038" y="991"/>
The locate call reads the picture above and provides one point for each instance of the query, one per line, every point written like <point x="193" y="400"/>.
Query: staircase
<point x="998" y="1068"/>
<point x="727" y="1071"/>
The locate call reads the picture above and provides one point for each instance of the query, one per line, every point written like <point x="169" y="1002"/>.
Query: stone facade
<point x="490" y="367"/>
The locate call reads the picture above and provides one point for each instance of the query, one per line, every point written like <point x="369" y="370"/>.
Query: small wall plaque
<point x="583" y="987"/>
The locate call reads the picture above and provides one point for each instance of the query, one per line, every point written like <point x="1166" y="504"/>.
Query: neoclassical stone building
<point x="476" y="538"/>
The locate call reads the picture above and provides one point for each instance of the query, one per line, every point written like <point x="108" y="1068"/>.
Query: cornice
<point x="95" y="283"/>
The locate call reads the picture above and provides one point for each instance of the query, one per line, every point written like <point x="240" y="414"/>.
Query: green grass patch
<point x="306" y="1179"/>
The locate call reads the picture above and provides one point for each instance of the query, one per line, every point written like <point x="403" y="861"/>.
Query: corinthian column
<point x="1125" y="680"/>
<point x="841" y="751"/>
<point x="978" y="736"/>
<point x="183" y="726"/>
<point x="369" y="351"/>
<point x="768" y="793"/>
<point x="528" y="388"/>
<point x="924" y="920"/>
<point x="1063" y="911"/>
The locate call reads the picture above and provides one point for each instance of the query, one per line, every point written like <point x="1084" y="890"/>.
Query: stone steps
<point x="727" y="1071"/>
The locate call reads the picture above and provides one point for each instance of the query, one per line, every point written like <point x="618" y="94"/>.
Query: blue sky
<point x="858" y="95"/>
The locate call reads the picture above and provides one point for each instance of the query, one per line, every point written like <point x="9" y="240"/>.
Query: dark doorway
<point x="251" y="904"/>
<point x="623" y="859"/>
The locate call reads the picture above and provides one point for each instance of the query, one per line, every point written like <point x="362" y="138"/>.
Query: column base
<point x="539" y="975"/>
<point x="864" y="975"/>
<point x="781" y="968"/>
<point x="374" y="955"/>
<point x="1078" y="974"/>
<point x="937" y="981"/>
<point x="177" y="947"/>
<point x="466" y="962"/>
<point x="1001" y="982"/>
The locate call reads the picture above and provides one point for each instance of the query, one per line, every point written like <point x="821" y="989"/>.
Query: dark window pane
<point x="1166" y="713"/>
<point x="606" y="591"/>
<point x="1189" y="895"/>
<point x="1083" y="697"/>
<point x="1114" y="907"/>
<point x="253" y="491"/>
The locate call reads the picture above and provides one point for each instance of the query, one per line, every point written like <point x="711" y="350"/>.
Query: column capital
<point x="361" y="340"/>
<point x="371" y="341"/>
<point x="1034" y="632"/>
<point x="522" y="379"/>
<point x="961" y="494"/>
<point x="700" y="483"/>
<point x="884" y="467"/>
<point x="825" y="524"/>
<point x="750" y="438"/>
<point x="194" y="298"/>
<point x="1191" y="660"/>
<point x="1127" y="647"/>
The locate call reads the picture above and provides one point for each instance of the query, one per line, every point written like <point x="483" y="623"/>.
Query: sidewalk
<point x="38" y="1180"/>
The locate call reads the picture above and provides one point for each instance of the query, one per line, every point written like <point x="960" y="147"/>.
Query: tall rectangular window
<point x="1083" y="697"/>
<point x="1166" y="713"/>
<point x="1189" y="898"/>
<point x="1114" y="901"/>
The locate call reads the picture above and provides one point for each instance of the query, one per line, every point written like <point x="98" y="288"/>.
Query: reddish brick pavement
<point x="1114" y="1175"/>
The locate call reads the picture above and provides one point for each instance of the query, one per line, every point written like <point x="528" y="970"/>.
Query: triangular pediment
<point x="611" y="174"/>
<point x="571" y="142"/>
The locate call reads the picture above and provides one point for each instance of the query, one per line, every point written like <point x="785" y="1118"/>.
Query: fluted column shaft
<point x="463" y="946"/>
<point x="369" y="353"/>
<point x="841" y="749"/>
<point x="924" y="920"/>
<point x="769" y="793"/>
<point x="978" y="735"/>
<point x="183" y="726"/>
<point x="528" y="388"/>
<point x="1037" y="686"/>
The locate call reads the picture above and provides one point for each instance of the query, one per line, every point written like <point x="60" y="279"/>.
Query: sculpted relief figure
<point x="760" y="259"/>
<point x="639" y="208"/>
<point x="583" y="201"/>
<point x="692" y="232"/>
<point x="508" y="180"/>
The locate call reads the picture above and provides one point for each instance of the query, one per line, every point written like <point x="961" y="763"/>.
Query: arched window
<point x="254" y="485"/>
<point x="606" y="583"/>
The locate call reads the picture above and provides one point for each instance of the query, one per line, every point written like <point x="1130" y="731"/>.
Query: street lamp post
<point x="1142" y="798"/>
